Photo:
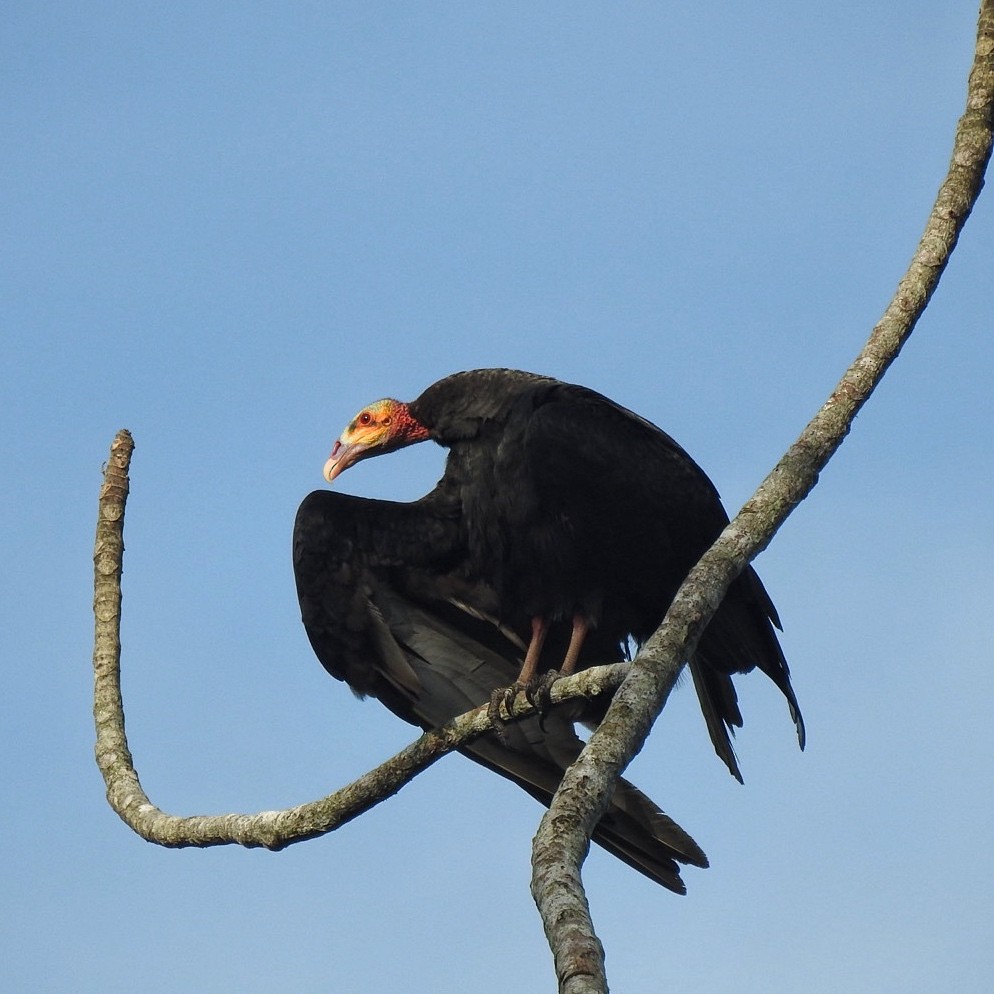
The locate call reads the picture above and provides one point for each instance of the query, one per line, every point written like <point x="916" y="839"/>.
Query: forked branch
<point x="564" y="835"/>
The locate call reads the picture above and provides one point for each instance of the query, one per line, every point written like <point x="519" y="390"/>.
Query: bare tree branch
<point x="564" y="835"/>
<point x="271" y="829"/>
<point x="563" y="838"/>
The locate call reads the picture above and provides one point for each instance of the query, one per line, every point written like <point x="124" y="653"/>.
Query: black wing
<point x="641" y="513"/>
<point x="388" y="611"/>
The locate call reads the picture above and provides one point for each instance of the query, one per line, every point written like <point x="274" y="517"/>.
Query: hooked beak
<point x="342" y="456"/>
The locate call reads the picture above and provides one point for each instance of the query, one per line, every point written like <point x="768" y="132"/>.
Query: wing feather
<point x="405" y="637"/>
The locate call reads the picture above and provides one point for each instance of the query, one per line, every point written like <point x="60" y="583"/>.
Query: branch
<point x="271" y="829"/>
<point x="564" y="834"/>
<point x="563" y="838"/>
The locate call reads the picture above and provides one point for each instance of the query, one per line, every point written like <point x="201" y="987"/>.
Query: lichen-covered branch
<point x="272" y="829"/>
<point x="564" y="835"/>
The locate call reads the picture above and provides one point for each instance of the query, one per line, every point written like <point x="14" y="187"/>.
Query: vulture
<point x="557" y="536"/>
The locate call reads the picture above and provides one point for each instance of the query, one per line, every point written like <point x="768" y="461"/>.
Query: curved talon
<point x="539" y="692"/>
<point x="493" y="710"/>
<point x="504" y="698"/>
<point x="507" y="696"/>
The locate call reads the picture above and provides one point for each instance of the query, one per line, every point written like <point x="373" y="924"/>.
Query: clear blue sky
<point x="227" y="226"/>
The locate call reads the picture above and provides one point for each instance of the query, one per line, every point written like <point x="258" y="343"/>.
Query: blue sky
<point x="226" y="227"/>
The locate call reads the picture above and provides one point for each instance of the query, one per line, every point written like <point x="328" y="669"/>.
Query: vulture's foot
<point x="504" y="698"/>
<point x="501" y="697"/>
<point x="539" y="692"/>
<point x="493" y="710"/>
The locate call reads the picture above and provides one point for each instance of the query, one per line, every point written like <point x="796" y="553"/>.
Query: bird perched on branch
<point x="562" y="527"/>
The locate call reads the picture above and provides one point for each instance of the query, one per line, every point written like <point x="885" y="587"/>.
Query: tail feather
<point x="740" y="637"/>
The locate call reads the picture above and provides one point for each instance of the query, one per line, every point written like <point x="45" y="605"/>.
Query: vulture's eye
<point x="365" y="418"/>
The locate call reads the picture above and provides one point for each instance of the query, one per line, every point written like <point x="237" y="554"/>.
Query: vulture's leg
<point x="539" y="691"/>
<point x="580" y="628"/>
<point x="526" y="678"/>
<point x="540" y="628"/>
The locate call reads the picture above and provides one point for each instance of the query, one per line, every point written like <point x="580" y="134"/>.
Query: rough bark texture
<point x="563" y="838"/>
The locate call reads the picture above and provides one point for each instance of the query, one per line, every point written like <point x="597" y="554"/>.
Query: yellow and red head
<point x="379" y="427"/>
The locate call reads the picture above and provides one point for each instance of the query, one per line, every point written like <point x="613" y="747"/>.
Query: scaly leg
<point x="580" y="628"/>
<point x="526" y="678"/>
<point x="539" y="692"/>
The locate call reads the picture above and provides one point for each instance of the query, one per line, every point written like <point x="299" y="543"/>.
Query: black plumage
<point x="388" y="610"/>
<point x="561" y="518"/>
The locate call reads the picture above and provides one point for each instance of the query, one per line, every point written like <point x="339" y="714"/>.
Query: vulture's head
<point x="379" y="427"/>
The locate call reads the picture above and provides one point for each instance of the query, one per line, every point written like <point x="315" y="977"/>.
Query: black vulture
<point x="561" y="529"/>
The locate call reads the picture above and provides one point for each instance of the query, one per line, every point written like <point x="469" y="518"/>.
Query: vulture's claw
<point x="504" y="697"/>
<point x="511" y="693"/>
<point x="493" y="710"/>
<point x="538" y="693"/>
